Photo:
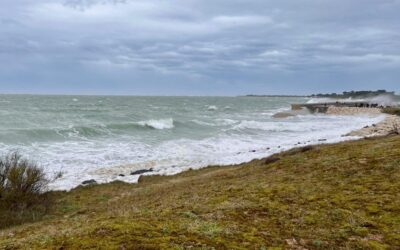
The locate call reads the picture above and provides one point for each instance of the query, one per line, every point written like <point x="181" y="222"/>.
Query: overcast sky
<point x="198" y="47"/>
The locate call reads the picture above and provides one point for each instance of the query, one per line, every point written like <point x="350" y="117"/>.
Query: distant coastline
<point x="251" y="95"/>
<point x="346" y="94"/>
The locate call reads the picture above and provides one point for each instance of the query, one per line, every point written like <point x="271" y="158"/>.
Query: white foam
<point x="323" y="100"/>
<point x="158" y="124"/>
<point x="104" y="161"/>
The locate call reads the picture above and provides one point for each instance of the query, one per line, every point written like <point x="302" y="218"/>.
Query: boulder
<point x="141" y="171"/>
<point x="89" y="182"/>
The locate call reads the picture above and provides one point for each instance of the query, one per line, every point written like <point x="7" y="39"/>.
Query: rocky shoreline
<point x="390" y="125"/>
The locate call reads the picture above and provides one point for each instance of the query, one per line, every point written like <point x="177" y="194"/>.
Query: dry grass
<point x="341" y="196"/>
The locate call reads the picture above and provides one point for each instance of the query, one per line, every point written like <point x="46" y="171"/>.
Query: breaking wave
<point x="158" y="124"/>
<point x="212" y="108"/>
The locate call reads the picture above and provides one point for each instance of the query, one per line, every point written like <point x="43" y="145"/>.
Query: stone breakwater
<point x="332" y="110"/>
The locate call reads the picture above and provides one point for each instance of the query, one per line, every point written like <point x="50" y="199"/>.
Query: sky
<point x="198" y="47"/>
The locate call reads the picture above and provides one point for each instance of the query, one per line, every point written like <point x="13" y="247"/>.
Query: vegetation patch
<point x="22" y="187"/>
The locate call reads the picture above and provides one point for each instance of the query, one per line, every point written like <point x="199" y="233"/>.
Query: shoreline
<point x="390" y="125"/>
<point x="124" y="172"/>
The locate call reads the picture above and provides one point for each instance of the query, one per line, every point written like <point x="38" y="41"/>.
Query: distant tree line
<point x="356" y="94"/>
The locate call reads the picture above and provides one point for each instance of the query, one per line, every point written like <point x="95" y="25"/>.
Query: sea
<point x="106" y="138"/>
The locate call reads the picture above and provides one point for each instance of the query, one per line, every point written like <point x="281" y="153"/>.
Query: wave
<point x="203" y="123"/>
<point x="82" y="131"/>
<point x="287" y="127"/>
<point x="46" y="134"/>
<point x="212" y="108"/>
<point x="245" y="125"/>
<point x="215" y="122"/>
<point x="158" y="124"/>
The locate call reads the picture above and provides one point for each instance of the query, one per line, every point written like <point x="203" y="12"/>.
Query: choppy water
<point x="101" y="137"/>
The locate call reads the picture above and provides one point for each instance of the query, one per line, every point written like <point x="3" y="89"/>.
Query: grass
<point x="392" y="111"/>
<point x="340" y="196"/>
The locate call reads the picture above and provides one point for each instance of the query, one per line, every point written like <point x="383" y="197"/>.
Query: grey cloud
<point x="249" y="44"/>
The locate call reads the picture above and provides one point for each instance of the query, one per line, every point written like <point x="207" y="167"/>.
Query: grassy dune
<point x="341" y="196"/>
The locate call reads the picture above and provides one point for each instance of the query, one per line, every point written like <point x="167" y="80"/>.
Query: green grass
<point x="340" y="196"/>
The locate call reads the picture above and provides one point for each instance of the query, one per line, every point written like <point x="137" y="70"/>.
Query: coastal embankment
<point x="389" y="125"/>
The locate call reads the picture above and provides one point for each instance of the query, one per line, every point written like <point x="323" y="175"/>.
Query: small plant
<point x="22" y="187"/>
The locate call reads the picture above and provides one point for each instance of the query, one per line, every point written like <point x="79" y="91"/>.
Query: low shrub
<point x="22" y="190"/>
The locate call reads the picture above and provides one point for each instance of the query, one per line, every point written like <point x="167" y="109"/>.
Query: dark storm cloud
<point x="198" y="47"/>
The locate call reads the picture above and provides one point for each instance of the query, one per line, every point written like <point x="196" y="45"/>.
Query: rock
<point x="268" y="148"/>
<point x="306" y="148"/>
<point x="282" y="115"/>
<point x="121" y="175"/>
<point x="89" y="182"/>
<point x="253" y="151"/>
<point x="322" y="140"/>
<point x="141" y="171"/>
